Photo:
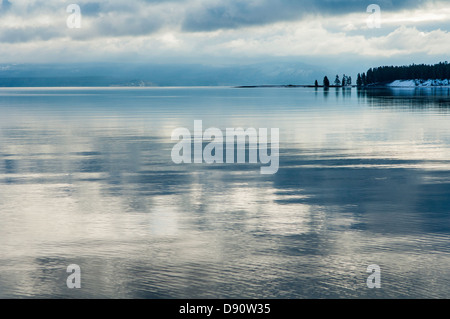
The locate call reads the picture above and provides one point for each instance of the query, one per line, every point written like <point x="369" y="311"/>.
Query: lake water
<point x="86" y="178"/>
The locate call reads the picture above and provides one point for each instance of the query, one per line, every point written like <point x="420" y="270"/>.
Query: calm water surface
<point x="86" y="178"/>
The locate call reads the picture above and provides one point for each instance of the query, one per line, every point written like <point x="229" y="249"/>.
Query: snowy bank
<point x="419" y="83"/>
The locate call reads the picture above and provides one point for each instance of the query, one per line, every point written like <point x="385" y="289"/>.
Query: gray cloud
<point x="18" y="35"/>
<point x="235" y="14"/>
<point x="99" y="19"/>
<point x="142" y="17"/>
<point x="113" y="29"/>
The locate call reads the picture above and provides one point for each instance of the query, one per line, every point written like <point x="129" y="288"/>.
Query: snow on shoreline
<point x="419" y="83"/>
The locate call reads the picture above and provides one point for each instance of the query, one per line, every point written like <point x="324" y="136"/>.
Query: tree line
<point x="388" y="74"/>
<point x="346" y="81"/>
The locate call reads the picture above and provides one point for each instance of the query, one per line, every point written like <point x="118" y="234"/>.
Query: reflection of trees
<point x="406" y="97"/>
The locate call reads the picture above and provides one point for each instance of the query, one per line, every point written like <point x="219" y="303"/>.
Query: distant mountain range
<point x="109" y="74"/>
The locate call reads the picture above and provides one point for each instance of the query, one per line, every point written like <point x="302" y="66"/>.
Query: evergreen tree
<point x="359" y="81"/>
<point x="316" y="84"/>
<point x="349" y="80"/>
<point x="326" y="82"/>
<point x="369" y="77"/>
<point x="344" y="80"/>
<point x="337" y="82"/>
<point x="364" y="79"/>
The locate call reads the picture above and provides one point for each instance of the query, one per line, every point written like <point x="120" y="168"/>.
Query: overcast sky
<point x="221" y="32"/>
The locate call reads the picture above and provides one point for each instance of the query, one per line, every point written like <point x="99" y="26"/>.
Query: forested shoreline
<point x="384" y="75"/>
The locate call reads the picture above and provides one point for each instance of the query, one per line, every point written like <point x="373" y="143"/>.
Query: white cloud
<point x="35" y="31"/>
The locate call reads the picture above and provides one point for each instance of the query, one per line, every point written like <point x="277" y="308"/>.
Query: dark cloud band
<point x="234" y="14"/>
<point x="143" y="17"/>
